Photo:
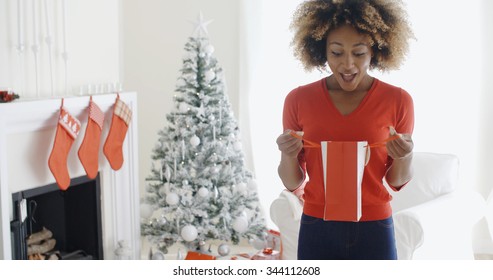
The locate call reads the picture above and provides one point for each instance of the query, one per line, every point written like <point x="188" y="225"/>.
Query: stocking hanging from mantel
<point x="68" y="127"/>
<point x="122" y="115"/>
<point x="89" y="149"/>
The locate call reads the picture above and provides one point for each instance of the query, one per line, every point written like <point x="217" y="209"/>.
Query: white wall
<point x="92" y="43"/>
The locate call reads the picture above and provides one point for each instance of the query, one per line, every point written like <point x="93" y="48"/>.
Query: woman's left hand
<point x="401" y="147"/>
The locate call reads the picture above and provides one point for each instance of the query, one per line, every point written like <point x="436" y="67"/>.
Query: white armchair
<point x="433" y="219"/>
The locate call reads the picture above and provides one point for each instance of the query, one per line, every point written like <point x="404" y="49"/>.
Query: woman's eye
<point x="336" y="53"/>
<point x="360" y="54"/>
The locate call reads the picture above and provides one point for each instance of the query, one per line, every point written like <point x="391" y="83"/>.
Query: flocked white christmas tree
<point x="199" y="188"/>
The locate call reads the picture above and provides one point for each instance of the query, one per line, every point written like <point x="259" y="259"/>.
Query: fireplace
<point x="72" y="218"/>
<point x="27" y="130"/>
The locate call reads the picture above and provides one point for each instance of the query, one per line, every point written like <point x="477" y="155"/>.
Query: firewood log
<point x="39" y="236"/>
<point x="36" y="257"/>
<point x="42" y="248"/>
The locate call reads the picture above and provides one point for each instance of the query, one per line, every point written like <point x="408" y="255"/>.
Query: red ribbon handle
<point x="311" y="144"/>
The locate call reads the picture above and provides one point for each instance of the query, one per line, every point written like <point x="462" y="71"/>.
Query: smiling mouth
<point x="348" y="77"/>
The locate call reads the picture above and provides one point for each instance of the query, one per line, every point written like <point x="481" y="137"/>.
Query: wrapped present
<point x="198" y="256"/>
<point x="343" y="165"/>
<point x="267" y="254"/>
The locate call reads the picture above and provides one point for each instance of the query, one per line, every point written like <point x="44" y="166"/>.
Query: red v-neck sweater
<point x="309" y="108"/>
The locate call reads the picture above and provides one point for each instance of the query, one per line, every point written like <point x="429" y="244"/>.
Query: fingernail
<point x="300" y="133"/>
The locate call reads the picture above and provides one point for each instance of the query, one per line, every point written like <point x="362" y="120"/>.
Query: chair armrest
<point x="445" y="223"/>
<point x="409" y="234"/>
<point x="285" y="212"/>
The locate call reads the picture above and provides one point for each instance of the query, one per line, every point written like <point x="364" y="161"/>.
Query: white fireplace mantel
<point x="27" y="130"/>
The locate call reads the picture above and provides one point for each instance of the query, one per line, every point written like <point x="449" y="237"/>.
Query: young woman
<point x="350" y="37"/>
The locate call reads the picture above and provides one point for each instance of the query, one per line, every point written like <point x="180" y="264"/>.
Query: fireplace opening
<point x="53" y="224"/>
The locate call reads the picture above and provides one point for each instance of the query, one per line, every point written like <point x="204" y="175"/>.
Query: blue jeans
<point x="334" y="240"/>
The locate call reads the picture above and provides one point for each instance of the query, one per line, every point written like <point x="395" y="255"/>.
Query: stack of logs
<point x="40" y="246"/>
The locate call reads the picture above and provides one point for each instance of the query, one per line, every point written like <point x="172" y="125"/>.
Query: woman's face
<point x="348" y="55"/>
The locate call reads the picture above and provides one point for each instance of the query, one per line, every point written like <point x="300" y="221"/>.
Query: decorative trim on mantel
<point x="119" y="189"/>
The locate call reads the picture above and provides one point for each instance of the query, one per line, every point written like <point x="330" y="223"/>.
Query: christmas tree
<point x="199" y="188"/>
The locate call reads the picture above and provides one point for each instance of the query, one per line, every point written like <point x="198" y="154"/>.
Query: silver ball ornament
<point x="237" y="146"/>
<point x="223" y="249"/>
<point x="240" y="224"/>
<point x="146" y="210"/>
<point x="203" y="192"/>
<point x="189" y="233"/>
<point x="172" y="199"/>
<point x="195" y="141"/>
<point x="157" y="255"/>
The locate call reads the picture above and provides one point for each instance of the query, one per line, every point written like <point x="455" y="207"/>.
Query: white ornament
<point x="244" y="214"/>
<point x="202" y="246"/>
<point x="146" y="210"/>
<point x="209" y="49"/>
<point x="172" y="199"/>
<point x="209" y="75"/>
<point x="158" y="255"/>
<point x="223" y="249"/>
<point x="240" y="224"/>
<point x="203" y="192"/>
<point x="167" y="174"/>
<point x="195" y="141"/>
<point x="123" y="252"/>
<point x="252" y="185"/>
<point x="189" y="233"/>
<point x="163" y="220"/>
<point x="179" y="255"/>
<point x="201" y="25"/>
<point x="241" y="188"/>
<point x="216" y="169"/>
<point x="216" y="194"/>
<point x="237" y="146"/>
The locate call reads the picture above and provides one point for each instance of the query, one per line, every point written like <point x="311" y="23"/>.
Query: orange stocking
<point x="89" y="149"/>
<point x="119" y="125"/>
<point x="68" y="128"/>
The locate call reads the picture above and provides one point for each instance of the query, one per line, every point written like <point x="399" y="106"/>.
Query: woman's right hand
<point x="289" y="145"/>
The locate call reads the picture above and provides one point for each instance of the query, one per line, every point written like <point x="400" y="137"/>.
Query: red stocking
<point x="89" y="149"/>
<point x="118" y="130"/>
<point x="68" y="128"/>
